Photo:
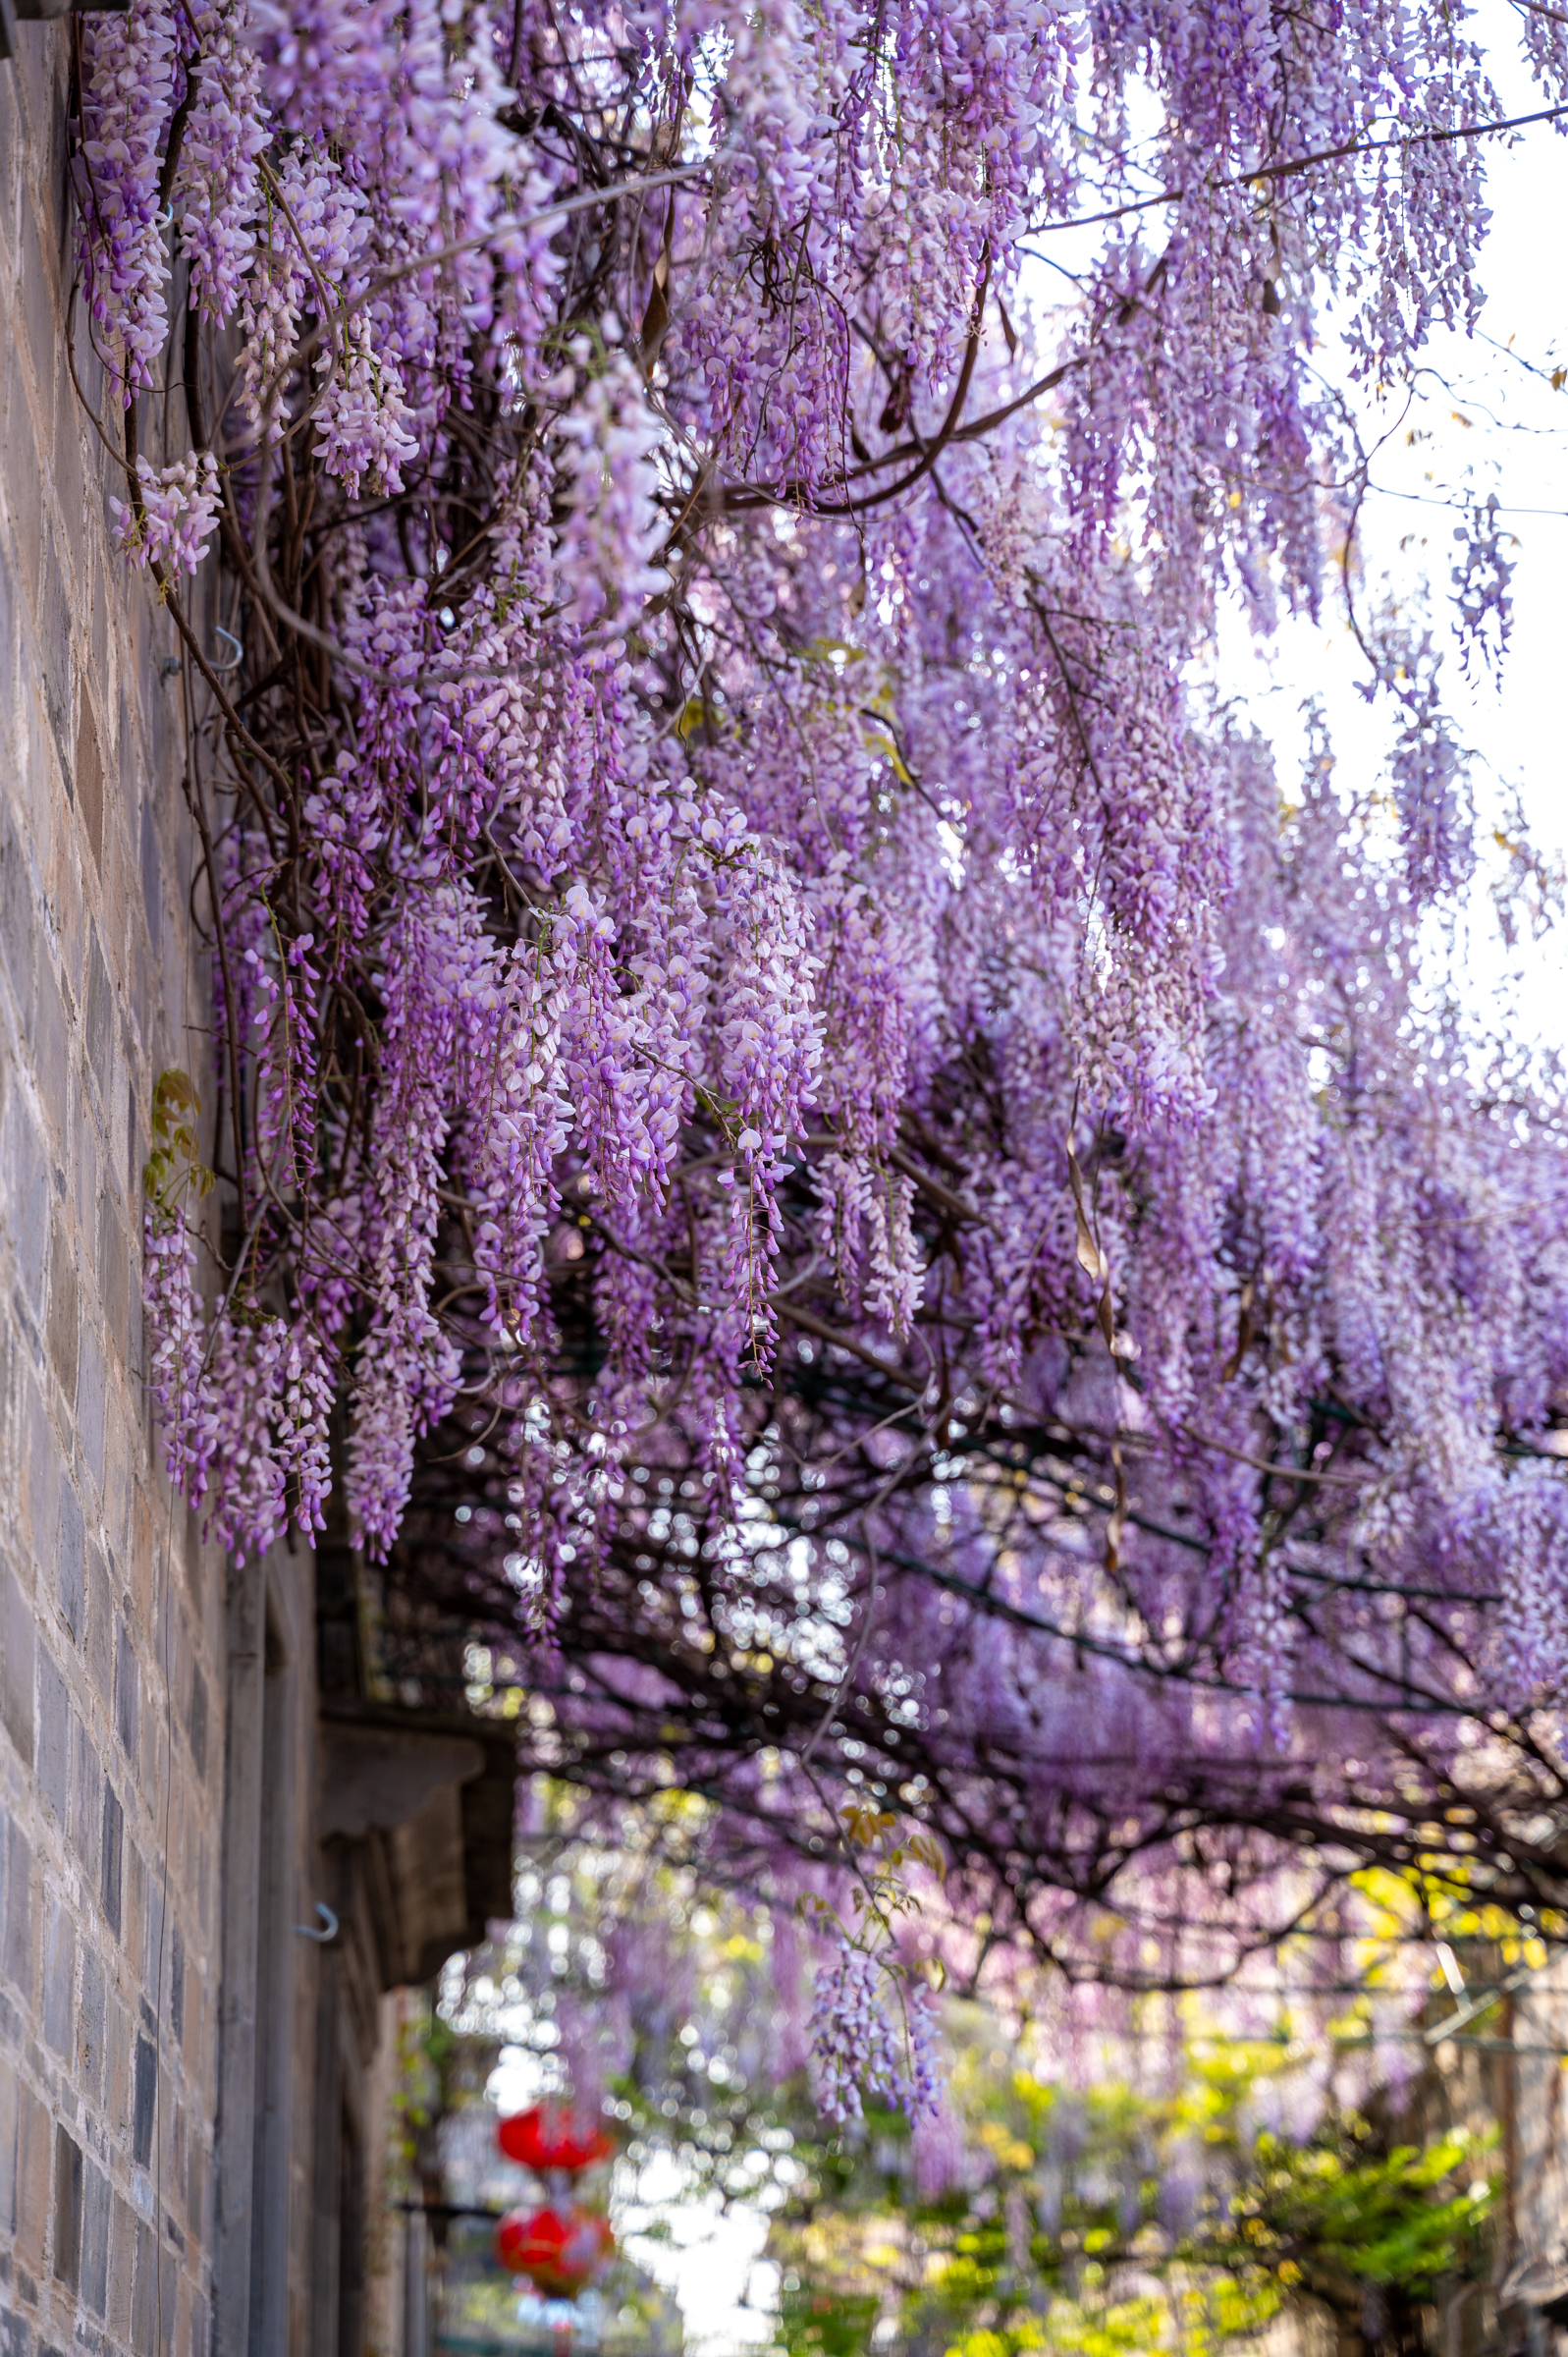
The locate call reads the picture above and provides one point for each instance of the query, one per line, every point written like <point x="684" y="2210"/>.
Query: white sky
<point x="1515" y="444"/>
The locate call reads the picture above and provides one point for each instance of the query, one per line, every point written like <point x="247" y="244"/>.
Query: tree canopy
<point x="807" y="1139"/>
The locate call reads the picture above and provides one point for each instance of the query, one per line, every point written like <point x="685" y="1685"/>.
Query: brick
<point x="24" y="475"/>
<point x="68" y="2191"/>
<point x="152" y="876"/>
<point x="177" y="1986"/>
<point x="70" y="500"/>
<point x="52" y="1048"/>
<point x="168" y="2302"/>
<point x="17" y="920"/>
<point x="114" y="1825"/>
<point x="34" y="2166"/>
<point x="26" y="1175"/>
<point x="8" y="2148"/>
<point x="136" y="1928"/>
<point x="164" y="715"/>
<point x="98" y="624"/>
<point x="126" y="1692"/>
<point x="114" y="1277"/>
<point x="100" y="1626"/>
<point x="54" y="617"/>
<point x="124" y="1122"/>
<point x="85" y="1189"/>
<point x="11" y="135"/>
<point x="72" y="1562"/>
<point x="90" y="1403"/>
<point x="63" y="1311"/>
<point x="44" y="1475"/>
<point x="117" y="2055"/>
<point x="38" y="72"/>
<point x="54" y="1738"/>
<point x="17" y="1944"/>
<point x="89" y="2053"/>
<point x="96" y="2215"/>
<point x="121" y="2265"/>
<point x="59" y="1980"/>
<point x="144" y="2291"/>
<point x="18" y="1649"/>
<point x="8" y="625"/>
<point x="143" y="2101"/>
<point x="101" y="1018"/>
<point x="198" y="1721"/>
<point x="87" y="1799"/>
<point x="141" y="962"/>
<point x="134" y="1351"/>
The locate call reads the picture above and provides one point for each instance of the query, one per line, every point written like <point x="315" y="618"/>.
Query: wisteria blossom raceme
<point x="254" y="1399"/>
<point x="131" y="71"/>
<point x="217" y="183"/>
<point x="860" y="2044"/>
<point x="175" y="514"/>
<point x="362" y="419"/>
<point x="177" y="1370"/>
<point x="615" y="525"/>
<point x="776" y="1051"/>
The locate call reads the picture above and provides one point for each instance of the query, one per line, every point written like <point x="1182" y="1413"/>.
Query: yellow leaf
<point x="695" y="713"/>
<point x="1090" y="1257"/>
<point x="889" y="752"/>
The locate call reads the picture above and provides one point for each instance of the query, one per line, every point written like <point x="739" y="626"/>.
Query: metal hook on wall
<point x="308" y="1931"/>
<point x="239" y="655"/>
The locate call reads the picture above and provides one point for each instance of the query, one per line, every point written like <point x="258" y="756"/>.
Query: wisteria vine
<point x="774" y="1055"/>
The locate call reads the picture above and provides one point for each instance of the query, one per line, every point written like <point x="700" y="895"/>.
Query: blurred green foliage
<point x="1105" y="2221"/>
<point x="1181" y="2207"/>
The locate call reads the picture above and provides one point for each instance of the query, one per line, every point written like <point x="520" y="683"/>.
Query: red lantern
<point x="557" y="2250"/>
<point x="553" y="2136"/>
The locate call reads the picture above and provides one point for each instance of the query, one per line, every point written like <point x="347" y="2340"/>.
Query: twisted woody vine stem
<point x="775" y="1055"/>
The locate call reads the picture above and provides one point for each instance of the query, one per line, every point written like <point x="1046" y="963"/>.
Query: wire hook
<point x="308" y="1932"/>
<point x="239" y="655"/>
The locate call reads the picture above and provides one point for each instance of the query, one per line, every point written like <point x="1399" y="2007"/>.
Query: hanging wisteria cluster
<point x="787" y="1091"/>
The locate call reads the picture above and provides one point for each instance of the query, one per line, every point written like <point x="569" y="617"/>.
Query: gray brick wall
<point x="111" y="1611"/>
